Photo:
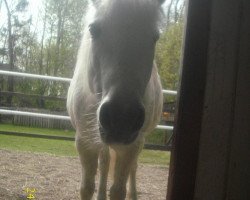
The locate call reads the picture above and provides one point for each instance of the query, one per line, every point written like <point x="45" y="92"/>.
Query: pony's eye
<point x="95" y="30"/>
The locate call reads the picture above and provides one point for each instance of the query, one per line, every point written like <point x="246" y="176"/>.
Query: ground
<point x="58" y="177"/>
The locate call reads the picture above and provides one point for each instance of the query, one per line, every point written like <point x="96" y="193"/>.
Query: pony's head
<point x="123" y="36"/>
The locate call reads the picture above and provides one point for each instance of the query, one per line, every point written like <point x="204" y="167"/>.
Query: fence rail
<point x="53" y="78"/>
<point x="19" y="94"/>
<point x="32" y="114"/>
<point x="35" y="76"/>
<point x="61" y="117"/>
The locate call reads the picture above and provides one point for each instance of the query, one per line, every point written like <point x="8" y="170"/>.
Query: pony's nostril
<point x="125" y="119"/>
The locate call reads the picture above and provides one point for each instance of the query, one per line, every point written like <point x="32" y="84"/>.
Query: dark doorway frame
<point x="182" y="173"/>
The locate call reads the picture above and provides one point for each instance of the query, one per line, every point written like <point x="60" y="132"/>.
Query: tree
<point x="50" y="48"/>
<point x="13" y="8"/>
<point x="168" y="49"/>
<point x="168" y="52"/>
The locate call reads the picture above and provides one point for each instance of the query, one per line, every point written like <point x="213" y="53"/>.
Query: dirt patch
<point x="58" y="178"/>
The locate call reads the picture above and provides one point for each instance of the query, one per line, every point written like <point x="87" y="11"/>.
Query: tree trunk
<point x="176" y="13"/>
<point x="62" y="8"/>
<point x="42" y="85"/>
<point x="182" y="9"/>
<point x="10" y="55"/>
<point x="58" y="39"/>
<point x="168" y="13"/>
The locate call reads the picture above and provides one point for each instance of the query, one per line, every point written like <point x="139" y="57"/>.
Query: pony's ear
<point x="161" y="1"/>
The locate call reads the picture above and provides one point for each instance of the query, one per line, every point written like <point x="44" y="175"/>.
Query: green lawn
<point x="45" y="131"/>
<point x="157" y="137"/>
<point x="55" y="147"/>
<point x="60" y="147"/>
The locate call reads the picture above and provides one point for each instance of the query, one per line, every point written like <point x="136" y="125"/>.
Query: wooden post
<point x="184" y="155"/>
<point x="224" y="151"/>
<point x="211" y="155"/>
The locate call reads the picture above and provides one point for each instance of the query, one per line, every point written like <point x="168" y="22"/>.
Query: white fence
<point x="50" y="116"/>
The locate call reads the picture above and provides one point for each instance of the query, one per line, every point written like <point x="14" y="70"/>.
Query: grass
<point x="155" y="157"/>
<point x="55" y="147"/>
<point x="60" y="147"/>
<point x="45" y="131"/>
<point x="158" y="136"/>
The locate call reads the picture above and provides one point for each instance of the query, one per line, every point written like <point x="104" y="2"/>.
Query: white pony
<point x="115" y="96"/>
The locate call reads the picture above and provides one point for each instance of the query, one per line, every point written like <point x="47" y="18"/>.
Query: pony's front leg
<point x="104" y="159"/>
<point x="89" y="162"/>
<point x="132" y="182"/>
<point x="132" y="193"/>
<point x="124" y="161"/>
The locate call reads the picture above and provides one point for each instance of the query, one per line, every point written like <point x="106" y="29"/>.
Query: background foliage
<point x="46" y="42"/>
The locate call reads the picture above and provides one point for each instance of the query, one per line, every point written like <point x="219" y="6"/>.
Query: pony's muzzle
<point x="120" y="123"/>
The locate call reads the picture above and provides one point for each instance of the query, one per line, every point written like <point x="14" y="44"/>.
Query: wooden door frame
<point x="184" y="156"/>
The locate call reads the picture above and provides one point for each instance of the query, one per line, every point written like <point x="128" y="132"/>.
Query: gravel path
<point x="58" y="178"/>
